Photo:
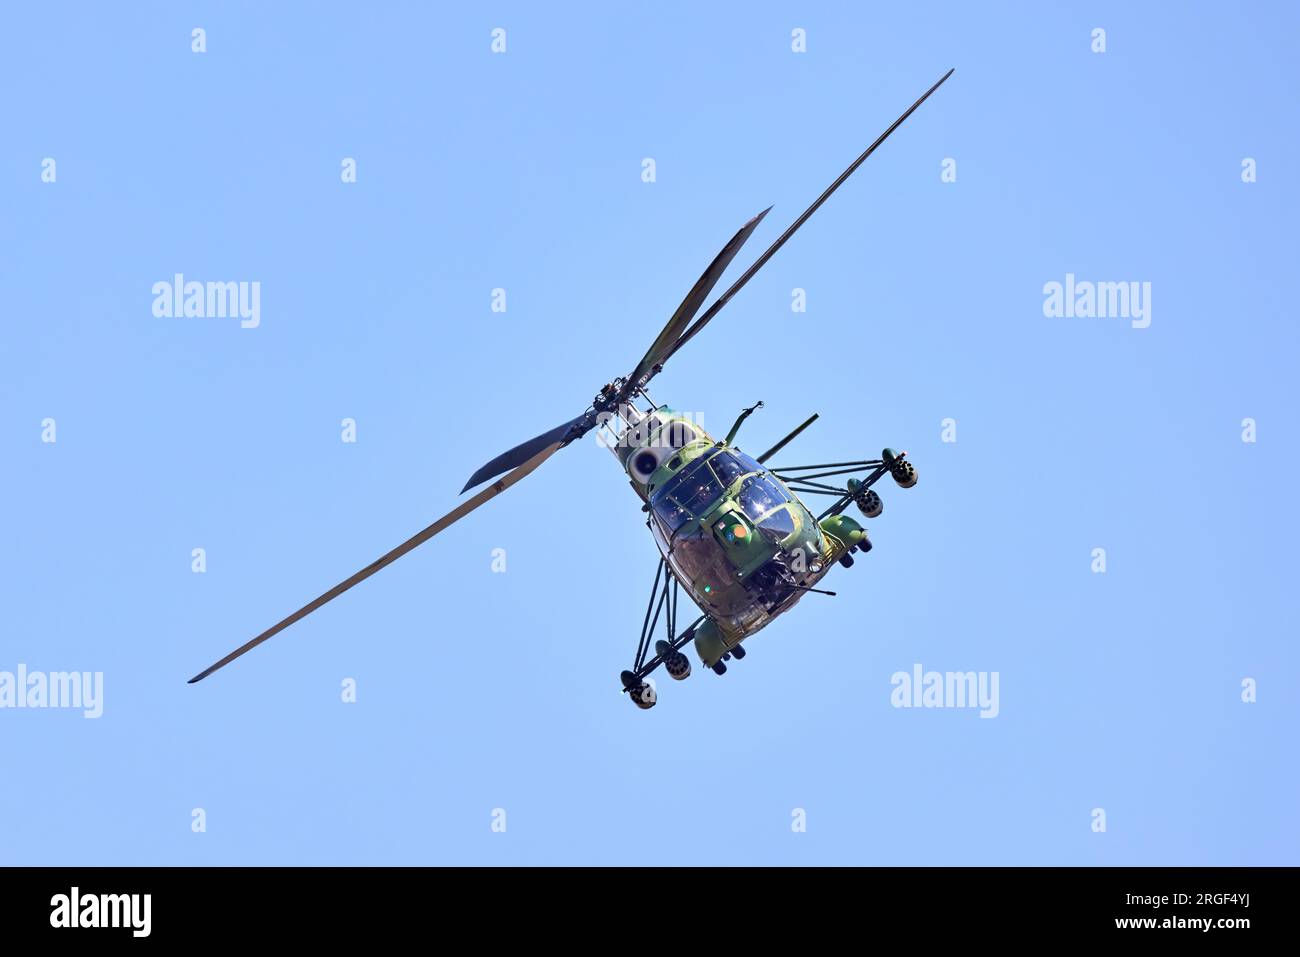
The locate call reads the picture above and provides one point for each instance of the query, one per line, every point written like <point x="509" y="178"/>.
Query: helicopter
<point x="731" y="531"/>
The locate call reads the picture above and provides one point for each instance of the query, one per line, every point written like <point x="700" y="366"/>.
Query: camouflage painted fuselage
<point x="736" y="538"/>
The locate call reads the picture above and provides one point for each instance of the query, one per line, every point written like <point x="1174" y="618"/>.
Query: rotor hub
<point x="608" y="397"/>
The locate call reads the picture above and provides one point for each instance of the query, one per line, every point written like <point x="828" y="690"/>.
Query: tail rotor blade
<point x="455" y="515"/>
<point x="713" y="310"/>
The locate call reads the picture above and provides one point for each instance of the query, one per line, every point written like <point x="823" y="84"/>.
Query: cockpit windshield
<point x="693" y="491"/>
<point x="759" y="495"/>
<point x="729" y="466"/>
<point x="763" y="501"/>
<point x="686" y="494"/>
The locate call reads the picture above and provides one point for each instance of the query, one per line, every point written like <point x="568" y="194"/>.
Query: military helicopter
<point x="730" y="531"/>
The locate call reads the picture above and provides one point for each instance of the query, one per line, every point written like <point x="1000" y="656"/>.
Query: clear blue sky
<point x="522" y="171"/>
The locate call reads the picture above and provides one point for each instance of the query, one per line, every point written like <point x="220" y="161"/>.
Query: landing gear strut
<point x="663" y="602"/>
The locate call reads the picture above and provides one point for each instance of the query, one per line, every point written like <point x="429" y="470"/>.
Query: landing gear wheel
<point x="739" y="652"/>
<point x="846" y="560"/>
<point x="719" y="668"/>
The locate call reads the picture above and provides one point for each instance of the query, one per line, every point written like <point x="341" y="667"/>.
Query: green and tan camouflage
<point x="742" y="544"/>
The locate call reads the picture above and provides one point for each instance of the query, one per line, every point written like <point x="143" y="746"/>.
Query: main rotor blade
<point x="787" y="440"/>
<point x="663" y="345"/>
<point x="455" y="515"/>
<point x="658" y="349"/>
<point x="526" y="450"/>
<point x="771" y="250"/>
